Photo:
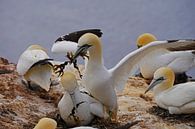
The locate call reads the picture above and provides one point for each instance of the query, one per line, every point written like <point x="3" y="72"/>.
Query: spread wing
<point x="129" y="64"/>
<point x="74" y="36"/>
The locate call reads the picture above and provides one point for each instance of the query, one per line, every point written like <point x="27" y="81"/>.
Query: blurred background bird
<point x="179" y="61"/>
<point x="177" y="99"/>
<point x="35" y="66"/>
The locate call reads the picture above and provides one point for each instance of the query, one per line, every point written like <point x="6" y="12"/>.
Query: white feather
<point x="130" y="63"/>
<point x="41" y="75"/>
<point x="180" y="62"/>
<point x="64" y="47"/>
<point x="28" y="58"/>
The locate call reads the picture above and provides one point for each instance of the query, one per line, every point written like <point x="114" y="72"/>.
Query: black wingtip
<point x="42" y="62"/>
<point x="74" y="36"/>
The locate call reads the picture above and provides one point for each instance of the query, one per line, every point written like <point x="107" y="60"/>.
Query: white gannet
<point x="67" y="45"/>
<point x="46" y="123"/>
<point x="76" y="107"/>
<point x="100" y="81"/>
<point x="35" y="66"/>
<point x="177" y="99"/>
<point x="179" y="62"/>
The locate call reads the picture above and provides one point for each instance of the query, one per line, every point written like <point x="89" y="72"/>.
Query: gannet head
<point x="87" y="42"/>
<point x="36" y="47"/>
<point x="46" y="123"/>
<point x="163" y="79"/>
<point x="144" y="39"/>
<point x="68" y="81"/>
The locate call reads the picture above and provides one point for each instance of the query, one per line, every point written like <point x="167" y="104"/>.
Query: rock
<point x="21" y="108"/>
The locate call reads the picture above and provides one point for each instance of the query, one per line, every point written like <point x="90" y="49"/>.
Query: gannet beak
<point x="154" y="83"/>
<point x="81" y="51"/>
<point x="138" y="46"/>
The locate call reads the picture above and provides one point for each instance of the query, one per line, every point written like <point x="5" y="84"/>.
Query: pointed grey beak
<point x="154" y="83"/>
<point x="81" y="51"/>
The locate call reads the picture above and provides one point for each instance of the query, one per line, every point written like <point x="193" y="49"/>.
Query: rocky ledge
<point x="21" y="108"/>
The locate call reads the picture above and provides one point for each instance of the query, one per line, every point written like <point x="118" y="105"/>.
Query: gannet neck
<point x="169" y="77"/>
<point x="95" y="54"/>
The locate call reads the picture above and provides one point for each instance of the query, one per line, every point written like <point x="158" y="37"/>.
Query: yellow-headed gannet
<point x="46" y="123"/>
<point x="178" y="61"/>
<point x="101" y="82"/>
<point x="178" y="99"/>
<point x="76" y="107"/>
<point x="35" y="66"/>
<point x="67" y="45"/>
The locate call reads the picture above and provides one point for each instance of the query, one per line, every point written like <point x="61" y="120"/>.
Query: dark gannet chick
<point x="177" y="99"/>
<point x="46" y="123"/>
<point x="35" y="66"/>
<point x="77" y="108"/>
<point x="101" y="82"/>
<point x="178" y="61"/>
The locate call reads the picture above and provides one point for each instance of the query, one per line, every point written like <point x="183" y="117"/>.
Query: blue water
<point x="25" y="22"/>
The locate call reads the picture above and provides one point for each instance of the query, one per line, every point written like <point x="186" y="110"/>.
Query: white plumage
<point x="64" y="47"/>
<point x="100" y="81"/>
<point x="180" y="61"/>
<point x="77" y="108"/>
<point x="33" y="71"/>
<point x="178" y="99"/>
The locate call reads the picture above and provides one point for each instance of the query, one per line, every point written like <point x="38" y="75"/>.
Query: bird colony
<point x="163" y="63"/>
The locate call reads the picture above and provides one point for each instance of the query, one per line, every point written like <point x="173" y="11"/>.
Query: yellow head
<point x="163" y="79"/>
<point x="46" y="123"/>
<point x="36" y="47"/>
<point x="69" y="81"/>
<point x="144" y="39"/>
<point x="89" y="39"/>
<point x="89" y="42"/>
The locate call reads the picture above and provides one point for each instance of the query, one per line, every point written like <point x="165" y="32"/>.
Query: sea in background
<point x="25" y="22"/>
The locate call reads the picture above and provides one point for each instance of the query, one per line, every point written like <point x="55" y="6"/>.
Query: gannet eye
<point x="160" y="79"/>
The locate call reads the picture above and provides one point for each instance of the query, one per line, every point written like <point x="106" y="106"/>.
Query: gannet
<point x="100" y="81"/>
<point x="46" y="123"/>
<point x="35" y="66"/>
<point x="76" y="107"/>
<point x="179" y="61"/>
<point x="178" y="99"/>
<point x="67" y="45"/>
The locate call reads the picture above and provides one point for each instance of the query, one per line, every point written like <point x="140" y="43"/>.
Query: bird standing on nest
<point x="177" y="99"/>
<point x="101" y="82"/>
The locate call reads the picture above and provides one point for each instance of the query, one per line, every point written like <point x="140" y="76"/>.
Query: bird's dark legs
<point x="76" y="67"/>
<point x="29" y="85"/>
<point x="61" y="68"/>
